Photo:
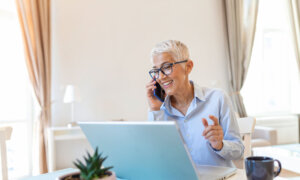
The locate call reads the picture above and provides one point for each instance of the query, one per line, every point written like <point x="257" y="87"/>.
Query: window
<point x="272" y="83"/>
<point x="15" y="94"/>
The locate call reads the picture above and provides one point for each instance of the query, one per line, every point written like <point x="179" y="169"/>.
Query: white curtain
<point x="295" y="24"/>
<point x="241" y="18"/>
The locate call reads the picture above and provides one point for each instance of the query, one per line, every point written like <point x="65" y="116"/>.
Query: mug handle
<point x="279" y="168"/>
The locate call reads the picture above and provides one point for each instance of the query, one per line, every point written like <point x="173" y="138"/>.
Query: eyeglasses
<point x="166" y="69"/>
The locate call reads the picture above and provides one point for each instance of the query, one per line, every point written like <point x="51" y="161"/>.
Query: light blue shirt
<point x="206" y="102"/>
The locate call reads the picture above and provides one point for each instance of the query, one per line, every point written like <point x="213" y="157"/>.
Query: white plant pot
<point x="111" y="177"/>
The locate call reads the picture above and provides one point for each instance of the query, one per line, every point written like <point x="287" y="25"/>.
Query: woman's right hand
<point x="154" y="103"/>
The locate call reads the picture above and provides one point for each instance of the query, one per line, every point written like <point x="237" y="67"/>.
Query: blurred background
<point x="101" y="50"/>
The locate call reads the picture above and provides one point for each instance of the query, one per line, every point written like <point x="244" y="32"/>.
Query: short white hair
<point x="177" y="49"/>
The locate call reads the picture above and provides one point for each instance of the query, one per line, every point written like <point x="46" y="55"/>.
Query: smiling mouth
<point x="166" y="84"/>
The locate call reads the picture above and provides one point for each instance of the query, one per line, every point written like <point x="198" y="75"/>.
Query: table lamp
<point x="70" y="97"/>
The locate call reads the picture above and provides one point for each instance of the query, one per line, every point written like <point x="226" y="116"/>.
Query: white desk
<point x="240" y="175"/>
<point x="61" y="144"/>
<point x="288" y="155"/>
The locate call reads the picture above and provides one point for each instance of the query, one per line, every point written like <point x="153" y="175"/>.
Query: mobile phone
<point x="159" y="93"/>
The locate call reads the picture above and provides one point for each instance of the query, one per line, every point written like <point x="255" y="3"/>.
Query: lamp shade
<point x="71" y="94"/>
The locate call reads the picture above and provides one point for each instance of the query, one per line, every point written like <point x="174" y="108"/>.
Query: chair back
<point x="5" y="134"/>
<point x="246" y="126"/>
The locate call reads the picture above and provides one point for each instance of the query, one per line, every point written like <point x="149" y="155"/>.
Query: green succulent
<point x="92" y="169"/>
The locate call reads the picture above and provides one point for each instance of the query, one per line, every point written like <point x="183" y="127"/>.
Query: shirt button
<point x="185" y="120"/>
<point x="187" y="135"/>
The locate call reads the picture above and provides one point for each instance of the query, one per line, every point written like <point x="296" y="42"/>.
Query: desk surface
<point x="240" y="175"/>
<point x="288" y="155"/>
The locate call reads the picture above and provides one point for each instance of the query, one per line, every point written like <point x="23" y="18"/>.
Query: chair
<point x="5" y="134"/>
<point x="264" y="136"/>
<point x="246" y="126"/>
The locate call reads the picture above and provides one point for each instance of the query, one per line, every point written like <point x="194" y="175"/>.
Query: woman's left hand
<point x="213" y="133"/>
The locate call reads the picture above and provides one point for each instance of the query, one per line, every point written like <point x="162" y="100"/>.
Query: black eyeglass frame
<point x="160" y="69"/>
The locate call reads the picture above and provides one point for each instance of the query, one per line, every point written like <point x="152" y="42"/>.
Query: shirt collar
<point x="198" y="92"/>
<point x="166" y="104"/>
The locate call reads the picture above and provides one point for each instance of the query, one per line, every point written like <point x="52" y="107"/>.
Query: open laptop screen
<point x="142" y="150"/>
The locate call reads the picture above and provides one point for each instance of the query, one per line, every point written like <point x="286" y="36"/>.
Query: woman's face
<point x="174" y="82"/>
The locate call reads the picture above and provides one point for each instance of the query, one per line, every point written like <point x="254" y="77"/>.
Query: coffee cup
<point x="261" y="168"/>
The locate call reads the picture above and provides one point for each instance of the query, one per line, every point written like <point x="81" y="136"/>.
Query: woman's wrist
<point x="218" y="147"/>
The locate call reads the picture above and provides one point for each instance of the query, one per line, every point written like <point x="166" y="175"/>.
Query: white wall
<point x="103" y="47"/>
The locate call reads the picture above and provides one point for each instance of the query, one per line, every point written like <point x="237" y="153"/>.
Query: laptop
<point x="147" y="151"/>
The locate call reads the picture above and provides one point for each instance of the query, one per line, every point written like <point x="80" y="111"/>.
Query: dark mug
<point x="261" y="168"/>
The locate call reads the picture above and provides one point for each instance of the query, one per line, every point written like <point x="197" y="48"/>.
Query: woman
<point x="205" y="116"/>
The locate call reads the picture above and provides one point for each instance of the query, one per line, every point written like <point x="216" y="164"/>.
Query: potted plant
<point x="91" y="170"/>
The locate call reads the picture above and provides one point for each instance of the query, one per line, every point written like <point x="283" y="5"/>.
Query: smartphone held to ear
<point x="159" y="93"/>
